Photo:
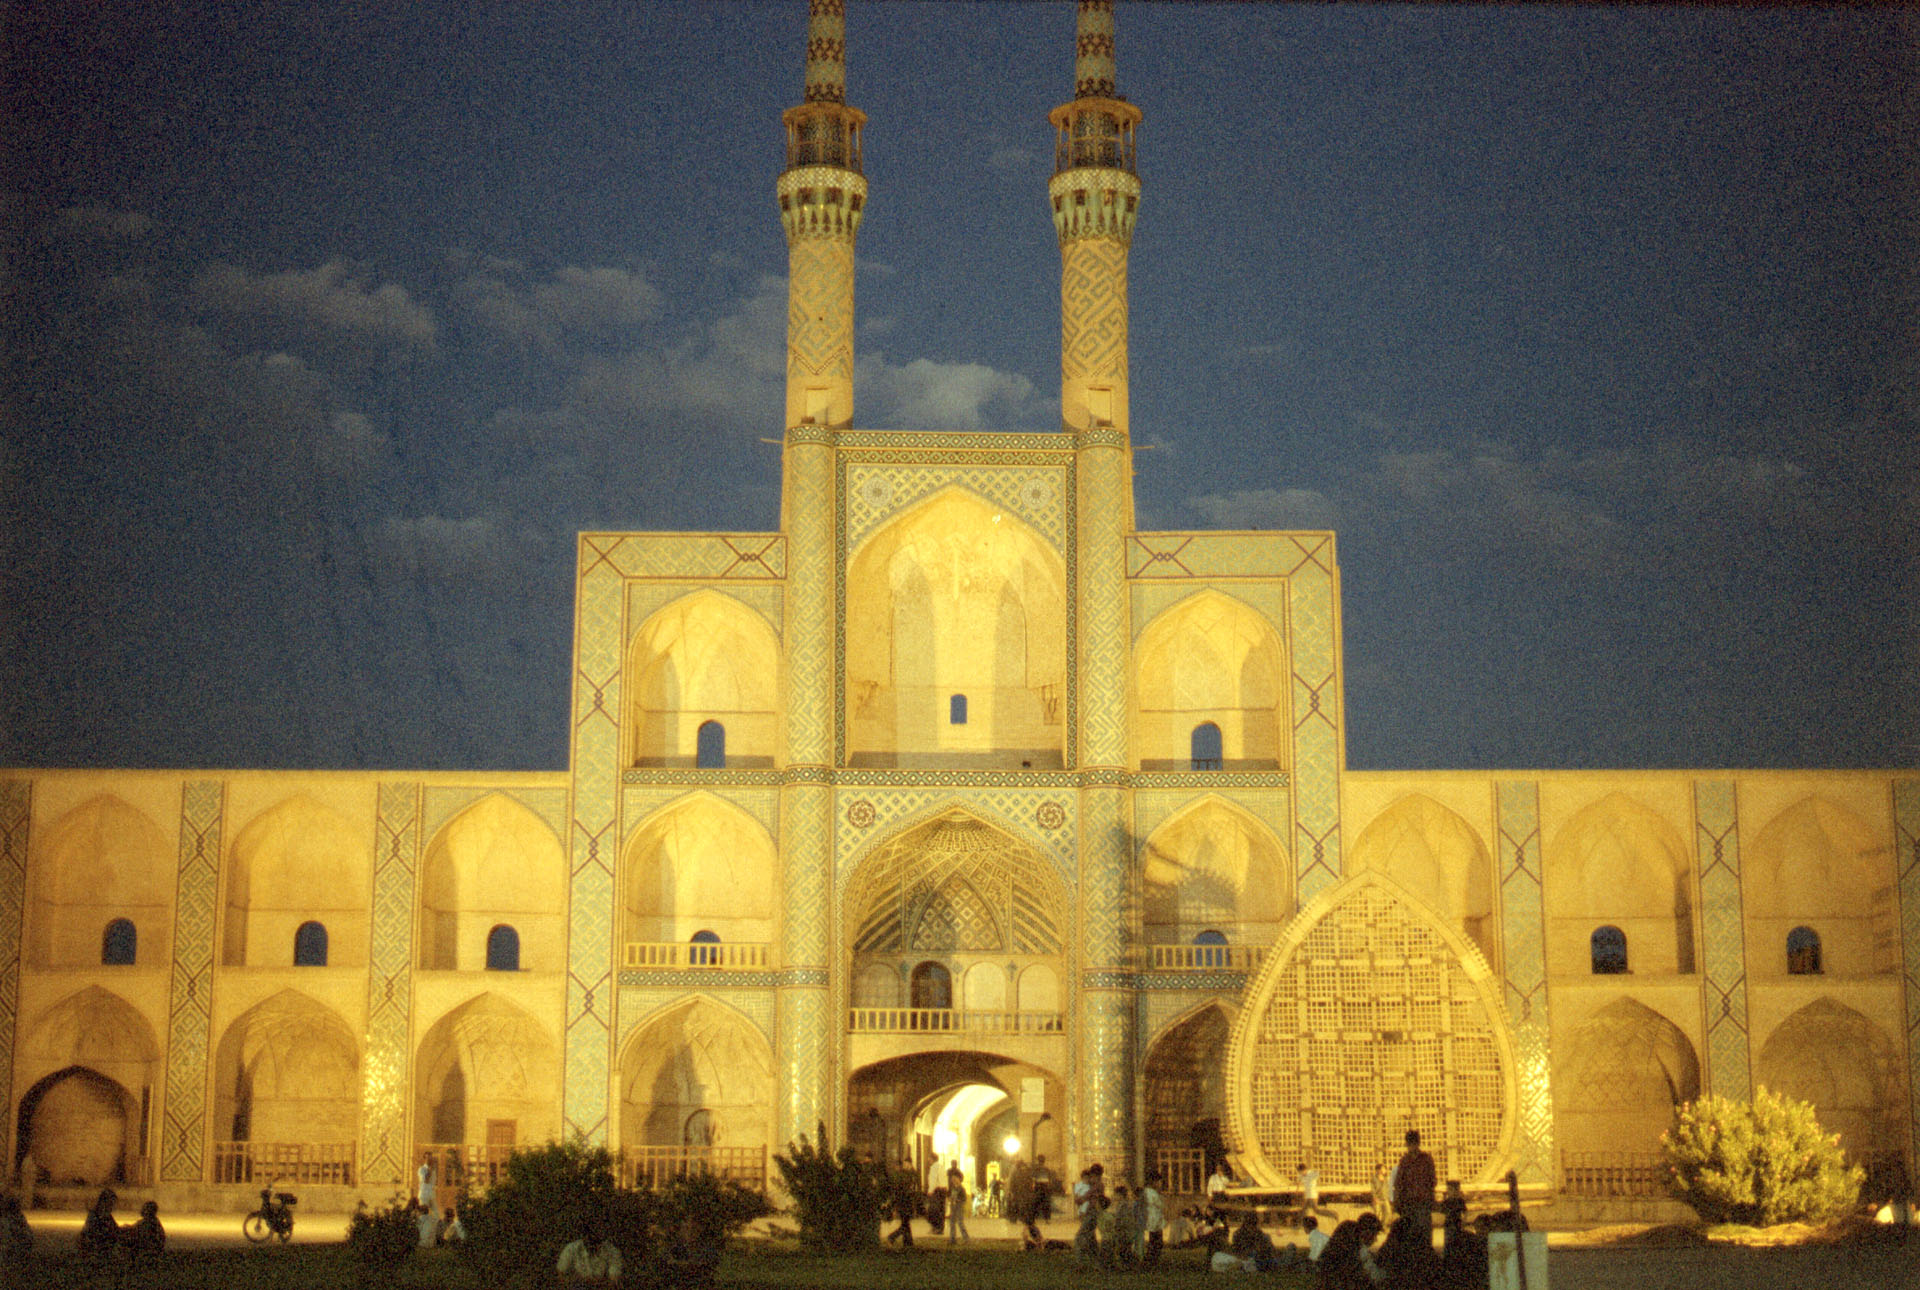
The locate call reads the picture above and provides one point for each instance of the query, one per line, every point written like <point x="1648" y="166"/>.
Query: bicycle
<point x="273" y="1218"/>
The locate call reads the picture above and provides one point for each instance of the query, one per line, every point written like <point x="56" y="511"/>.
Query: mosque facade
<point x="957" y="810"/>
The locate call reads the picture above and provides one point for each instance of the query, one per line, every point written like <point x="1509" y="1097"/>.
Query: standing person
<point x="936" y="1196"/>
<point x="1383" y="1194"/>
<point x="1413" y="1184"/>
<point x="1116" y="1229"/>
<point x="1316" y="1239"/>
<point x="1217" y="1190"/>
<point x="957" y="1204"/>
<point x="1088" y="1197"/>
<point x="1309" y="1189"/>
<point x="904" y="1189"/>
<point x="1019" y="1206"/>
<point x="1153" y="1221"/>
<point x="425" y="1180"/>
<point x="16" y="1238"/>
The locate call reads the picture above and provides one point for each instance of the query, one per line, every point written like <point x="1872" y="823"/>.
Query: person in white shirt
<point x="1153" y="1221"/>
<point x="591" y="1258"/>
<point x="1316" y="1239"/>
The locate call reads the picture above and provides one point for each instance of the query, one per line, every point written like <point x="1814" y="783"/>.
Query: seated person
<point x="1252" y="1244"/>
<point x="591" y="1258"/>
<point x="100" y="1234"/>
<point x="146" y="1240"/>
<point x="1347" y="1261"/>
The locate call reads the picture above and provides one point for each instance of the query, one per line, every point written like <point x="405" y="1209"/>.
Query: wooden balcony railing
<point x="307" y="1164"/>
<point x="722" y="955"/>
<point x="652" y="1167"/>
<point x="1614" y="1173"/>
<point x="1182" y="1169"/>
<point x="1206" y="958"/>
<point x="909" y="1020"/>
<point x="464" y="1168"/>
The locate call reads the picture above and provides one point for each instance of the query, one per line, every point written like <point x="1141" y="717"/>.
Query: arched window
<point x="1803" y="952"/>
<point x="957" y="710"/>
<point x="1206" y="746"/>
<point x="932" y="987"/>
<point x="701" y="951"/>
<point x="1609" y="947"/>
<point x="710" y="751"/>
<point x="310" y="945"/>
<point x="503" y="949"/>
<point x="119" y="943"/>
<point x="1212" y="949"/>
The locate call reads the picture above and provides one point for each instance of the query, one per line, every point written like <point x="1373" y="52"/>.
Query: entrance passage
<point x="980" y="1110"/>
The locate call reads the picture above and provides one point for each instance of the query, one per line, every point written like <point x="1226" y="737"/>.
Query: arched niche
<point x="487" y="1073"/>
<point x="1818" y="865"/>
<point x="956" y="597"/>
<point x="698" y="1064"/>
<point x="1214" y="867"/>
<point x="1186" y="1085"/>
<point x="958" y="893"/>
<point x="1210" y="659"/>
<point x="91" y="1065"/>
<point x="1845" y="1065"/>
<point x="1617" y="862"/>
<point x="705" y="657"/>
<point x="287" y="1070"/>
<point x="102" y="860"/>
<point x="1368" y="1018"/>
<point x="1618" y="1079"/>
<point x="1439" y="859"/>
<point x="297" y="862"/>
<point x="699" y="864"/>
<point x="495" y="862"/>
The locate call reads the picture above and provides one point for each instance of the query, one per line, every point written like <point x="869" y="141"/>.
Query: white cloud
<point x="572" y="306"/>
<point x="924" y="395"/>
<point x="331" y="309"/>
<point x="1267" y="508"/>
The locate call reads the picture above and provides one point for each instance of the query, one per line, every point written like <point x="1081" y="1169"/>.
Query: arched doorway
<point x="79" y="1129"/>
<point x="697" y="1091"/>
<point x="983" y="1110"/>
<point x="287" y="1094"/>
<point x="91" y="1064"/>
<point x="487" y="1078"/>
<point x="1186" y="1099"/>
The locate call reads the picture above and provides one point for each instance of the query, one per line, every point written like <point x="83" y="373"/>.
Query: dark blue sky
<point x="1591" y="331"/>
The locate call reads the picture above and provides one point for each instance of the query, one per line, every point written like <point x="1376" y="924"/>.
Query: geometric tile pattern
<point x="1316" y="716"/>
<point x="1716" y="840"/>
<point x="1107" y="1046"/>
<point x="685" y="555"/>
<point x="385" y="1151"/>
<point x="1524" y="958"/>
<point x="183" y="1128"/>
<point x="1207" y="553"/>
<point x="812" y="627"/>
<point x="875" y="494"/>
<point x="801" y="1031"/>
<point x="803" y="1020"/>
<point x="1906" y="841"/>
<point x="16" y="819"/>
<point x="1013" y="811"/>
<point x="591" y="844"/>
<point x="820" y="325"/>
<point x="1106" y="1082"/>
<point x="1101" y="602"/>
<point x="1093" y="327"/>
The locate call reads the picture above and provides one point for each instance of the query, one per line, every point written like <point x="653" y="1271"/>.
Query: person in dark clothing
<point x="100" y="1234"/>
<point x="1413" y="1183"/>
<point x="146" y="1240"/>
<point x="1463" y="1257"/>
<point x="1252" y="1243"/>
<point x="904" y="1187"/>
<point x="1343" y="1264"/>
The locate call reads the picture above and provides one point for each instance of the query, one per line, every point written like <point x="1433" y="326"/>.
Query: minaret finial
<point x="826" y="51"/>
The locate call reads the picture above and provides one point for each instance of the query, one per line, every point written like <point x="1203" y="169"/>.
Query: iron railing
<point x="307" y="1164"/>
<point x="651" y="1167"/>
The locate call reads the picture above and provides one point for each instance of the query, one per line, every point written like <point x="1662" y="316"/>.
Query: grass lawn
<point x="748" y="1264"/>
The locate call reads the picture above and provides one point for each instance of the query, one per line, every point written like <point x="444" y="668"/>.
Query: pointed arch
<point x="957" y="856"/>
<point x="1439" y="859"/>
<point x="705" y="658"/>
<point x="1619" y="1077"/>
<point x="1186" y="1085"/>
<point x="696" y="1056"/>
<point x="298" y="861"/>
<point x="1370" y="1017"/>
<point x="1818" y="866"/>
<point x="102" y="860"/>
<point x="96" y="1029"/>
<point x="956" y="596"/>
<point x="287" y="1070"/>
<point x="1211" y="659"/>
<point x="1844" y="1064"/>
<point x="699" y="863"/>
<point x="1620" y="863"/>
<point x="1215" y="866"/>
<point x="495" y="862"/>
<point x="488" y="1062"/>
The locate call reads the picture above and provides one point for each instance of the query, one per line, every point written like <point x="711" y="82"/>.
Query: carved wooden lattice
<point x="1370" y="1022"/>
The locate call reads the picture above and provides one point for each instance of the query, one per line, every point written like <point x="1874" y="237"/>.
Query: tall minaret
<point x="1095" y="192"/>
<point x="822" y="194"/>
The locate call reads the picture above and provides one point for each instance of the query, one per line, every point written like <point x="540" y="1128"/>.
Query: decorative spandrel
<point x="1368" y="1019"/>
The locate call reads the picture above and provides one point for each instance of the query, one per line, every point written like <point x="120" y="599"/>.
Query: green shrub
<point x="384" y="1237"/>
<point x="549" y="1196"/>
<point x="839" y="1200"/>
<point x="1761" y="1162"/>
<point x="718" y="1209"/>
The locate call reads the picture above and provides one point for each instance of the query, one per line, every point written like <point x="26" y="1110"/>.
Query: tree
<point x="840" y="1199"/>
<point x="1761" y="1162"/>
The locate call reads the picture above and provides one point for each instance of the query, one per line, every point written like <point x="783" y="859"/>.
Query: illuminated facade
<point x="957" y="807"/>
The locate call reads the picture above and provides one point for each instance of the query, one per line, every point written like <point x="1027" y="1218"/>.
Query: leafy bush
<point x="718" y="1209"/>
<point x="384" y="1237"/>
<point x="840" y="1199"/>
<point x="551" y="1195"/>
<point x="1761" y="1162"/>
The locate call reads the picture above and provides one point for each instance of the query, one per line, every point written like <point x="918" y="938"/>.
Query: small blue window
<point x="1803" y="952"/>
<point x="1210" y="949"/>
<point x="503" y="949"/>
<point x="710" y="752"/>
<point x="1206" y="746"/>
<point x="957" y="710"/>
<point x="1609" y="946"/>
<point x="119" y="942"/>
<point x="310" y="945"/>
<point x="704" y="950"/>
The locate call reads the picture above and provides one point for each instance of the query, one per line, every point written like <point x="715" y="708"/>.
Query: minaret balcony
<point x="1094" y="201"/>
<point x="821" y="201"/>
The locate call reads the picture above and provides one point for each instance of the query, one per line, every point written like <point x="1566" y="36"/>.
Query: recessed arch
<point x="1215" y="867"/>
<point x="102" y="860"/>
<point x="96" y="1029"/>
<point x="703" y="658"/>
<point x="1438" y="858"/>
<point x="494" y="863"/>
<point x="297" y="861"/>
<point x="1210" y="660"/>
<point x="486" y="1064"/>
<point x="1185" y="1087"/>
<point x="287" y="1070"/>
<point x="1618" y="862"/>
<point x="1819" y="865"/>
<point x="698" y="1055"/>
<point x="956" y="596"/>
<point x="956" y="881"/>
<point x="1844" y="1064"/>
<point x="1618" y="1078"/>
<point x="700" y="863"/>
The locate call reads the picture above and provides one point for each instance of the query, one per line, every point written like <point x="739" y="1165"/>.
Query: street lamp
<point x="1012" y="1145"/>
